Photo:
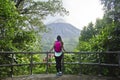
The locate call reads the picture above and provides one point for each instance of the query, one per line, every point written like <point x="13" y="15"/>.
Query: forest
<point x="21" y="21"/>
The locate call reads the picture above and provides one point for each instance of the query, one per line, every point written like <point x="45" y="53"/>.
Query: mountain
<point x="68" y="32"/>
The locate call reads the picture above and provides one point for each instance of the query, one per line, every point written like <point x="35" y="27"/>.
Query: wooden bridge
<point x="47" y="55"/>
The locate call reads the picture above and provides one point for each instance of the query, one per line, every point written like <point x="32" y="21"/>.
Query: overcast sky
<point x="81" y="12"/>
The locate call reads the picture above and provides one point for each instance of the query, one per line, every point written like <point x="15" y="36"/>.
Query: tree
<point x="8" y="17"/>
<point x="20" y="22"/>
<point x="23" y="21"/>
<point x="112" y="11"/>
<point x="33" y="12"/>
<point x="106" y="36"/>
<point x="87" y="32"/>
<point x="112" y="14"/>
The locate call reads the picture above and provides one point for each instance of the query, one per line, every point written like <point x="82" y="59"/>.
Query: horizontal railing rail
<point x="79" y="59"/>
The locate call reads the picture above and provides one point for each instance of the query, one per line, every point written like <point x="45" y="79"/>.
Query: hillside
<point x="68" y="32"/>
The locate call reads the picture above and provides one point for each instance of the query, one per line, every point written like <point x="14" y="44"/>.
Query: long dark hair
<point x="59" y="39"/>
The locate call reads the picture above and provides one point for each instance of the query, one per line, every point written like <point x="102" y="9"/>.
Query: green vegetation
<point x="21" y="21"/>
<point x="104" y="35"/>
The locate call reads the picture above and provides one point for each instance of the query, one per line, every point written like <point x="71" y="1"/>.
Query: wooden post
<point x="12" y="65"/>
<point x="31" y="63"/>
<point x="119" y="59"/>
<point x="100" y="56"/>
<point x="47" y="63"/>
<point x="63" y="68"/>
<point x="79" y="55"/>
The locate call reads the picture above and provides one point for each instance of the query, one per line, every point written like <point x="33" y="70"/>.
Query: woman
<point x="58" y="47"/>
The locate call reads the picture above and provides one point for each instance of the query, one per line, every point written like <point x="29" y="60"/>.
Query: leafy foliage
<point x="20" y="22"/>
<point x="104" y="37"/>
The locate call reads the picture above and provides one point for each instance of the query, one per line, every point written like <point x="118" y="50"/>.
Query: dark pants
<point x="58" y="62"/>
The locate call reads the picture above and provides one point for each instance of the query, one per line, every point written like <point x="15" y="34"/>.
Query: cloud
<point x="82" y="11"/>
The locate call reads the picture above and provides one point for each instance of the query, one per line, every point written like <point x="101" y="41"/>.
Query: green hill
<point x="68" y="32"/>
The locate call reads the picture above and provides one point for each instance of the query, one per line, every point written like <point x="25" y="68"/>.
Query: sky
<point x="81" y="12"/>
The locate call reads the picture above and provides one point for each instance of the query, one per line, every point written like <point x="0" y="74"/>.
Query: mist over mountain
<point x="68" y="32"/>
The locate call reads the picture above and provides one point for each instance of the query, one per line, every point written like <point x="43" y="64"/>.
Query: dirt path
<point x="64" y="77"/>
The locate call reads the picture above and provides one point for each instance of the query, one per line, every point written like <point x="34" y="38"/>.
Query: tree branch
<point x="18" y="3"/>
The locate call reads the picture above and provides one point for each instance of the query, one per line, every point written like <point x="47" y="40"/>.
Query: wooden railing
<point x="79" y="61"/>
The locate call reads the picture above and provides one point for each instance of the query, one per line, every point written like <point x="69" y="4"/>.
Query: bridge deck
<point x="64" y="77"/>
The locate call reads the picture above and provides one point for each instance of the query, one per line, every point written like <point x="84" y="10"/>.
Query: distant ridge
<point x="56" y="21"/>
<point x="59" y="21"/>
<point x="63" y="29"/>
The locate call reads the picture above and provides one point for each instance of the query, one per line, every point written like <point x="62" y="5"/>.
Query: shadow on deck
<point x="64" y="77"/>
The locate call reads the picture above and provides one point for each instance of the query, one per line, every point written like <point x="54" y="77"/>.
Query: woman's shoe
<point x="60" y="73"/>
<point x="57" y="74"/>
